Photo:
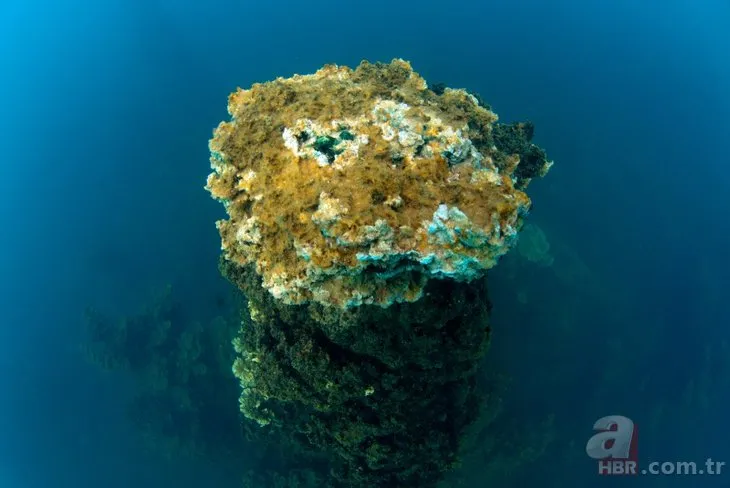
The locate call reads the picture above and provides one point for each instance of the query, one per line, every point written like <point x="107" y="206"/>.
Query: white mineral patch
<point x="391" y="113"/>
<point x="300" y="139"/>
<point x="304" y="251"/>
<point x="290" y="141"/>
<point x="408" y="138"/>
<point x="245" y="180"/>
<point x="394" y="202"/>
<point x="488" y="175"/>
<point x="248" y="232"/>
<point x="328" y="211"/>
<point x="321" y="159"/>
<point x="277" y="285"/>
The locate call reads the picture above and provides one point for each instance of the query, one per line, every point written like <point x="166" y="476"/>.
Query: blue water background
<point x="106" y="109"/>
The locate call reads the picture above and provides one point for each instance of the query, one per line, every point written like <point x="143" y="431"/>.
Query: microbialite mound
<point x="364" y="211"/>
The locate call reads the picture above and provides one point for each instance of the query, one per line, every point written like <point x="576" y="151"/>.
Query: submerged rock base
<point x="364" y="209"/>
<point x="388" y="392"/>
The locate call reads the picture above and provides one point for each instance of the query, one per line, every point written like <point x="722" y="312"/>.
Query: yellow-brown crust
<point x="356" y="186"/>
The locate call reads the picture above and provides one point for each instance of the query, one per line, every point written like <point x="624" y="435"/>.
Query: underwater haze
<point x="618" y="307"/>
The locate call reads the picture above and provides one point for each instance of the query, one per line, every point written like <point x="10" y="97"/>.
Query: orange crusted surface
<point x="349" y="187"/>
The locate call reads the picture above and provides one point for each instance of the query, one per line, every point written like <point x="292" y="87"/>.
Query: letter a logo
<point x="614" y="440"/>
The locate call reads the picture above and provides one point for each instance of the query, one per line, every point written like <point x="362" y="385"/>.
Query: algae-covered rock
<point x="386" y="392"/>
<point x="364" y="210"/>
<point x="351" y="187"/>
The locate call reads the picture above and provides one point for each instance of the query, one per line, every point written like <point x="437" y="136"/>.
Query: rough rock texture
<point x="364" y="210"/>
<point x="351" y="187"/>
<point x="387" y="392"/>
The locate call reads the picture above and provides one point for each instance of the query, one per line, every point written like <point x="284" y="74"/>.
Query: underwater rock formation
<point x="356" y="187"/>
<point x="364" y="211"/>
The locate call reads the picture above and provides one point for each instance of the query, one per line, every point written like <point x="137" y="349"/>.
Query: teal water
<point x="107" y="108"/>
